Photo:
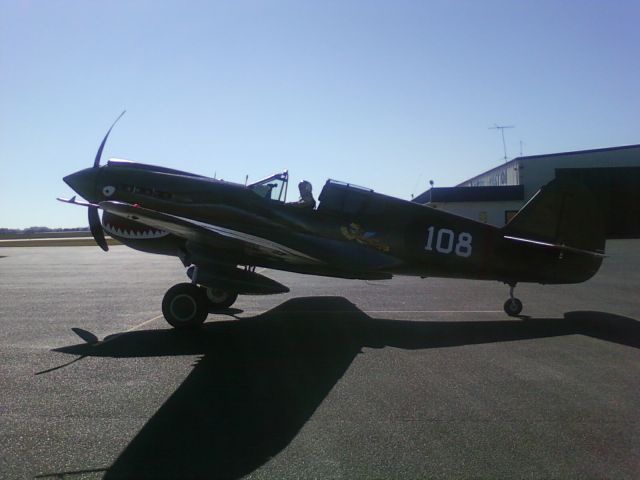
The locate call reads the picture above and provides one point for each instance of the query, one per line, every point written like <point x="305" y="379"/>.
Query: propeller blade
<point x="96" y="229"/>
<point x="96" y="162"/>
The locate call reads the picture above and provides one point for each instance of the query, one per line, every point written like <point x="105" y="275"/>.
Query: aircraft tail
<point x="564" y="214"/>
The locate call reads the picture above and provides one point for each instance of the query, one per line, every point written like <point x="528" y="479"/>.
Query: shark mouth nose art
<point x="130" y="231"/>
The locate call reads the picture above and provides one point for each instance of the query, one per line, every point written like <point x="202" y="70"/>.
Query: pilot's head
<point x="305" y="187"/>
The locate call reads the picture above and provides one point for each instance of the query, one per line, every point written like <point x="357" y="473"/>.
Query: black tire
<point x="185" y="306"/>
<point x="513" y="307"/>
<point x="219" y="298"/>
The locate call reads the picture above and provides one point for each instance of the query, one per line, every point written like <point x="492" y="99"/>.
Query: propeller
<point x="96" y="162"/>
<point x="94" y="219"/>
<point x="96" y="229"/>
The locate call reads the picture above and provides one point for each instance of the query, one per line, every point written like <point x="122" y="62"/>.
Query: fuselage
<point x="351" y="229"/>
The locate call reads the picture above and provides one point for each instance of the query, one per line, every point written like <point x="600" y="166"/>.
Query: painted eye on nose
<point x="108" y="190"/>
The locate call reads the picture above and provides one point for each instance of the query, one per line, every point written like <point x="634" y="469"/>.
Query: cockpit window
<point x="273" y="187"/>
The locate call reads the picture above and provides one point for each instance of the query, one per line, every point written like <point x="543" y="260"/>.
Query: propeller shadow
<point x="259" y="380"/>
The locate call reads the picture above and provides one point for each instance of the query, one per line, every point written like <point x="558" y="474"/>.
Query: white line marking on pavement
<point x="260" y="312"/>
<point x="157" y="317"/>
<point x="108" y="338"/>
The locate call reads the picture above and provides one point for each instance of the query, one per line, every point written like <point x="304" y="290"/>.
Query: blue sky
<point x="383" y="94"/>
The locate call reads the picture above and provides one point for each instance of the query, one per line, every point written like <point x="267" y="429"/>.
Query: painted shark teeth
<point x="149" y="233"/>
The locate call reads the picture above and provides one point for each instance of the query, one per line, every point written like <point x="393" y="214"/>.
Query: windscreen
<point x="272" y="188"/>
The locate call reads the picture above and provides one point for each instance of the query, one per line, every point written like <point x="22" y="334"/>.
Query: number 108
<point x="446" y="242"/>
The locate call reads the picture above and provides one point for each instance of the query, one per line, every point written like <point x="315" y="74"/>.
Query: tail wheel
<point x="185" y="306"/>
<point x="513" y="307"/>
<point x="219" y="298"/>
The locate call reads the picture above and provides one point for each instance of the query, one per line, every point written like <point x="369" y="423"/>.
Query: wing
<point x="309" y="254"/>
<point x="208" y="234"/>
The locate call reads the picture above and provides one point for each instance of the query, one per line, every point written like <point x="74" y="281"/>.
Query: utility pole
<point x="504" y="144"/>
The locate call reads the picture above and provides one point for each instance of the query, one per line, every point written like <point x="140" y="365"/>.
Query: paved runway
<point x="405" y="378"/>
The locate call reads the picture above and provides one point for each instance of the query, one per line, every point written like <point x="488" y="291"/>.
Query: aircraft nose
<point x="83" y="182"/>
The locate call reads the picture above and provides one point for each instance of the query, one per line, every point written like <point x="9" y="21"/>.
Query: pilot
<point x="306" y="196"/>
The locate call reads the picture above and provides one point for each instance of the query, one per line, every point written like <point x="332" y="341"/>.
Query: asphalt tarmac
<point x="406" y="378"/>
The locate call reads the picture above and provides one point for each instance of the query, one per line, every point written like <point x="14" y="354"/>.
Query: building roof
<point x="551" y="155"/>
<point x="471" y="194"/>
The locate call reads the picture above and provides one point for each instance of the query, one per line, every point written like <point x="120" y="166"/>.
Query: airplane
<point x="221" y="231"/>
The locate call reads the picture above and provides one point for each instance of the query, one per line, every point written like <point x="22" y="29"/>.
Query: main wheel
<point x="185" y="306"/>
<point x="219" y="298"/>
<point x="513" y="307"/>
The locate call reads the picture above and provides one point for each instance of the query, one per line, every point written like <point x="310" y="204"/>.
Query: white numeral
<point x="445" y="240"/>
<point x="441" y="246"/>
<point x="463" y="248"/>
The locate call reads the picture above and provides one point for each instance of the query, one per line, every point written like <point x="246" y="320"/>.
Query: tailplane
<point x="565" y="214"/>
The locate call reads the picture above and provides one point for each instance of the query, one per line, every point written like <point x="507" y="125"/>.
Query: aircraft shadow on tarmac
<point x="260" y="379"/>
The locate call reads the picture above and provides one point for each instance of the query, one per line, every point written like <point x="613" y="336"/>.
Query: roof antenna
<point x="501" y="128"/>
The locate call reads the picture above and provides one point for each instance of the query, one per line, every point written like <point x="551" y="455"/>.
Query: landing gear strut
<point x="513" y="306"/>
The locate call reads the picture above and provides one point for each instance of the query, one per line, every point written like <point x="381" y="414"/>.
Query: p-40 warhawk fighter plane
<point x="221" y="231"/>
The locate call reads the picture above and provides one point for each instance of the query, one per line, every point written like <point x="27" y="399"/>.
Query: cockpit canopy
<point x="336" y="196"/>
<point x="273" y="187"/>
<point x="341" y="197"/>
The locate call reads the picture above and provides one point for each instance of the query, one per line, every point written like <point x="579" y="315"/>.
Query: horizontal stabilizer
<point x="557" y="247"/>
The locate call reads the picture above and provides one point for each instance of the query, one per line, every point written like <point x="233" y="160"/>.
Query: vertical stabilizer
<point x="563" y="212"/>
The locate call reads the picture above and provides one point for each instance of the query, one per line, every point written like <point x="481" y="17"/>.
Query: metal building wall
<point x="535" y="171"/>
<point x="611" y="173"/>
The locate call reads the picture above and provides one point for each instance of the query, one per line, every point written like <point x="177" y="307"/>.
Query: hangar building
<point x="495" y="196"/>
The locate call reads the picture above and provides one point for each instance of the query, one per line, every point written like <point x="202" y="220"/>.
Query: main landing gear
<point x="186" y="305"/>
<point x="513" y="306"/>
<point x="219" y="299"/>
